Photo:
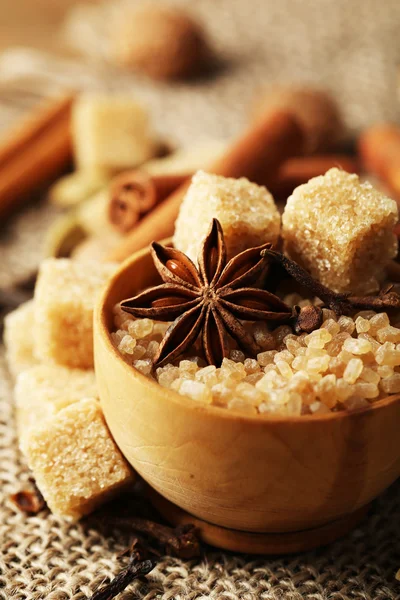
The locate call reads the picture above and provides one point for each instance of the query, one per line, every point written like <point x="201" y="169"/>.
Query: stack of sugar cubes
<point x="61" y="428"/>
<point x="49" y="341"/>
<point x="337" y="227"/>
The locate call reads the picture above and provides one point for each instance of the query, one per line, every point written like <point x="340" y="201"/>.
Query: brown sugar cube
<point x="65" y="295"/>
<point x="75" y="461"/>
<point x="110" y="133"/>
<point x="341" y="231"/>
<point x="44" y="390"/>
<point x="316" y="110"/>
<point x="18" y="338"/>
<point x="246" y="211"/>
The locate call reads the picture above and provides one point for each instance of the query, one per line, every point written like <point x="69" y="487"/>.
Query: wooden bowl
<point x="253" y="474"/>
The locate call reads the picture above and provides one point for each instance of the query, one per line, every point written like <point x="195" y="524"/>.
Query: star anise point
<point x="214" y="298"/>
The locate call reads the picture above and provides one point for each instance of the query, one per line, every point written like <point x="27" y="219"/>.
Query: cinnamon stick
<point x="379" y="148"/>
<point x="35" y="152"/>
<point x="135" y="193"/>
<point x="33" y="125"/>
<point x="257" y="155"/>
<point x="296" y="171"/>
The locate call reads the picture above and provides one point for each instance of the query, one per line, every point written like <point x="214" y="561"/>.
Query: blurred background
<point x="200" y="72"/>
<point x="170" y="88"/>
<point x="349" y="48"/>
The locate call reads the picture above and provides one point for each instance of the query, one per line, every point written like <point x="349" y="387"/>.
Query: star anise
<point x="210" y="300"/>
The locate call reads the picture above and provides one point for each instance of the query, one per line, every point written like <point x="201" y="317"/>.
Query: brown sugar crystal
<point x="65" y="295"/>
<point x="75" y="461"/>
<point x="340" y="230"/>
<point x="42" y="391"/>
<point x="246" y="211"/>
<point x="19" y="339"/>
<point x="111" y="133"/>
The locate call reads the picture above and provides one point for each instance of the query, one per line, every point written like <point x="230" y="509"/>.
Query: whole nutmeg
<point x="316" y="110"/>
<point x="162" y="42"/>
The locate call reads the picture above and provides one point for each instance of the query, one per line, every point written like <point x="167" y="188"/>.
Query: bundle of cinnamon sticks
<point x="34" y="152"/>
<point x="268" y="153"/>
<point x="144" y="207"/>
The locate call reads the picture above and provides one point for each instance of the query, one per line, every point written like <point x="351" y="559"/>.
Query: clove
<point x="181" y="541"/>
<point x="135" y="570"/>
<point x="306" y="319"/>
<point x="29" y="500"/>
<point x="339" y="303"/>
<point x="153" y="540"/>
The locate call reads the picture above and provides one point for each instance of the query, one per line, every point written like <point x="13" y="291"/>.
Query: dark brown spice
<point x="134" y="193"/>
<point x="393" y="271"/>
<point x="386" y="300"/>
<point x="307" y="319"/>
<point x="212" y="299"/>
<point x="29" y="500"/>
<point x="152" y="541"/>
<point x="336" y="302"/>
<point x="135" y="570"/>
<point x="339" y="303"/>
<point x="181" y="541"/>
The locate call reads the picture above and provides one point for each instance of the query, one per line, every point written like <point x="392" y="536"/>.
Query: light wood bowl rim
<point x="216" y="411"/>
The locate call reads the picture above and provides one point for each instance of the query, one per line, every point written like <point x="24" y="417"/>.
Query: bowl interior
<point x="133" y="276"/>
<point x="137" y="273"/>
<point x="295" y="472"/>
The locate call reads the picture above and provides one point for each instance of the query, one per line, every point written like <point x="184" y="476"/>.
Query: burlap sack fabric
<point x="350" y="47"/>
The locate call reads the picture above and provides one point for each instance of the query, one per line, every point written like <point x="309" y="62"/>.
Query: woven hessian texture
<point x="350" y="47"/>
<point x="45" y="558"/>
